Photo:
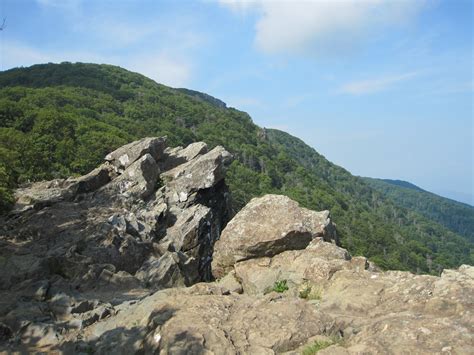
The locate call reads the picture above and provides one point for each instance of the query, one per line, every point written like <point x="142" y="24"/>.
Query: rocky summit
<point x="142" y="256"/>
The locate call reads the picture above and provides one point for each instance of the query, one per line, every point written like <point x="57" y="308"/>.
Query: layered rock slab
<point x="201" y="320"/>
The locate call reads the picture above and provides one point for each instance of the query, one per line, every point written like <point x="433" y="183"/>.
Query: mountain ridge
<point x="454" y="215"/>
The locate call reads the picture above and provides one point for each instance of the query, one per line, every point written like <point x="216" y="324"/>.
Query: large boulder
<point x="266" y="227"/>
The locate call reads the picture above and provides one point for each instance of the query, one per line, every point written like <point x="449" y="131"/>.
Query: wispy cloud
<point x="159" y="66"/>
<point x="163" y="68"/>
<point x="321" y="26"/>
<point x="16" y="54"/>
<point x="151" y="47"/>
<point x="374" y="85"/>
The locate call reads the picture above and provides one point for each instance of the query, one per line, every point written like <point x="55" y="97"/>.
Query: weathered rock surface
<point x="118" y="270"/>
<point x="74" y="249"/>
<point x="266" y="227"/>
<point x="125" y="156"/>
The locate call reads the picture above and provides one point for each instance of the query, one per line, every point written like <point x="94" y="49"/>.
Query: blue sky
<point x="383" y="88"/>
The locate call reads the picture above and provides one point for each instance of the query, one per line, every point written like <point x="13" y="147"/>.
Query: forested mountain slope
<point x="61" y="119"/>
<point x="456" y="216"/>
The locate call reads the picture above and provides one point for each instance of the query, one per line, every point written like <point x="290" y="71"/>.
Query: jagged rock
<point x="125" y="156"/>
<point x="60" y="305"/>
<point x="177" y="156"/>
<point x="94" y="180"/>
<point x="111" y="235"/>
<point x="161" y="272"/>
<point x="200" y="173"/>
<point x="268" y="226"/>
<point x="137" y="181"/>
<point x="190" y="226"/>
<point x="46" y="193"/>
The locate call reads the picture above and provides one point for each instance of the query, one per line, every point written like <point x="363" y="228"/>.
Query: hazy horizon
<point x="381" y="88"/>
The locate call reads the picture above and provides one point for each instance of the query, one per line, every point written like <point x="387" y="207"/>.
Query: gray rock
<point x="125" y="156"/>
<point x="61" y="305"/>
<point x="178" y="156"/>
<point x="42" y="194"/>
<point x="94" y="180"/>
<point x="200" y="173"/>
<point x="84" y="306"/>
<point x="41" y="291"/>
<point x="161" y="272"/>
<point x="230" y="283"/>
<point x="5" y="332"/>
<point x="138" y="181"/>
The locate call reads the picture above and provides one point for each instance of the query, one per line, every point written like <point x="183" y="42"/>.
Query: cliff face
<point x="121" y="261"/>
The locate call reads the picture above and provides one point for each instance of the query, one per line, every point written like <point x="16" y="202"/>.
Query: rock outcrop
<point x="145" y="220"/>
<point x="114" y="264"/>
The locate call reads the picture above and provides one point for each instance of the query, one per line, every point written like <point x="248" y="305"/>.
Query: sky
<point x="383" y="88"/>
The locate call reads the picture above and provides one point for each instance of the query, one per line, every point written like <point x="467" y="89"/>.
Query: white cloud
<point x="163" y="68"/>
<point x="374" y="85"/>
<point x="321" y="25"/>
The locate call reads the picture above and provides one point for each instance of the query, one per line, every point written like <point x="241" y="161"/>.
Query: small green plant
<point x="309" y="292"/>
<point x="280" y="286"/>
<point x="316" y="346"/>
<point x="305" y="292"/>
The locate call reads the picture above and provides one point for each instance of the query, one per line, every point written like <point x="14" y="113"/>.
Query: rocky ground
<point x="142" y="256"/>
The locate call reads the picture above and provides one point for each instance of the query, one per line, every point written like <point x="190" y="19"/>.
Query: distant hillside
<point x="402" y="183"/>
<point x="456" y="216"/>
<point x="58" y="120"/>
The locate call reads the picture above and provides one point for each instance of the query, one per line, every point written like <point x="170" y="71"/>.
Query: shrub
<point x="316" y="346"/>
<point x="280" y="286"/>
